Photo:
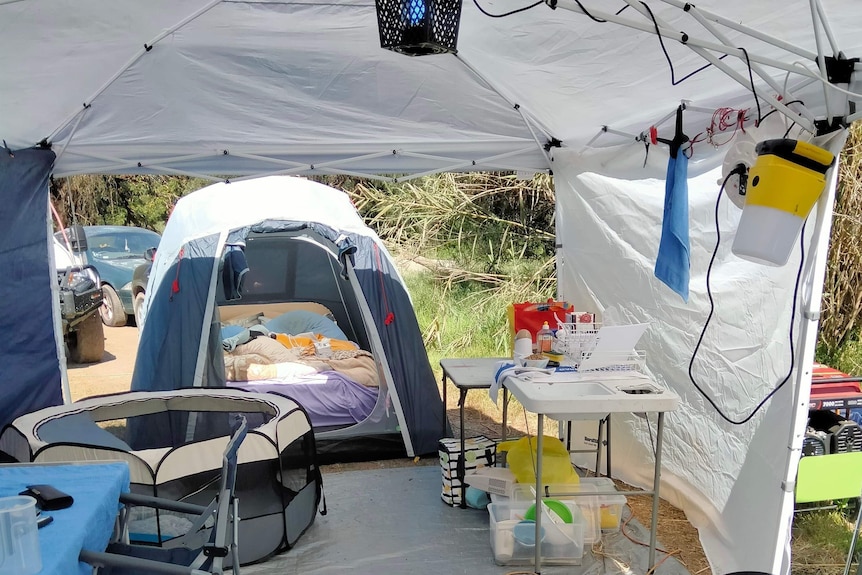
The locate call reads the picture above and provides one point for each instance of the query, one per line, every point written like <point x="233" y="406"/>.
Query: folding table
<point x="88" y="523"/>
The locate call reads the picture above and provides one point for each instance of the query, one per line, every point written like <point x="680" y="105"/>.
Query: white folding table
<point x="592" y="395"/>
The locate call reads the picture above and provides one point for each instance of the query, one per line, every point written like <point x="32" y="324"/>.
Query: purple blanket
<point x="329" y="397"/>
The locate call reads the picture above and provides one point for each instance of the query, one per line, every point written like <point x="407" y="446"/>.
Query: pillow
<point x="301" y="321"/>
<point x="231" y="330"/>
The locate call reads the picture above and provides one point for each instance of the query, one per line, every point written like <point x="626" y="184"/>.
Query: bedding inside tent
<point x="338" y="390"/>
<point x="300" y="352"/>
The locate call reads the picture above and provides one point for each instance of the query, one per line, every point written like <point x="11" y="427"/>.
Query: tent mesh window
<point x="419" y="27"/>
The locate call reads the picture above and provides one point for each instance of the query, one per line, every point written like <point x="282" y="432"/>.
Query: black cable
<point x="787" y="133"/>
<point x="504" y="14"/>
<point x="712" y="310"/>
<point x="525" y="8"/>
<point x="673" y="81"/>
<point x="751" y="79"/>
<point x="593" y="18"/>
<point x="772" y="111"/>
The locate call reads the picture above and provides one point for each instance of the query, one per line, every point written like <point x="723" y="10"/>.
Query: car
<point x="139" y="284"/>
<point x="115" y="252"/>
<point x="80" y="302"/>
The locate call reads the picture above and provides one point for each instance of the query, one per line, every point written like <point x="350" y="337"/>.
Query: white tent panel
<point x="718" y="472"/>
<point x="305" y="83"/>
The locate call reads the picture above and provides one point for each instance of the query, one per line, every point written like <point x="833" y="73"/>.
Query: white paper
<point x="614" y="343"/>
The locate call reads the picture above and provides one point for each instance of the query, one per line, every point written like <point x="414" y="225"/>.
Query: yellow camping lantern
<point x="783" y="185"/>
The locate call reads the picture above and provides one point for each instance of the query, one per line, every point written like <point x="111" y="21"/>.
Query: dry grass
<point x="842" y="298"/>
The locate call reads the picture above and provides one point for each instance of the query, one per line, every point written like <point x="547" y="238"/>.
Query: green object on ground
<point x="558" y="507"/>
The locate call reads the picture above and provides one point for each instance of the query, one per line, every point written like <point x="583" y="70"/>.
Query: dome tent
<point x="210" y="88"/>
<point x="181" y="341"/>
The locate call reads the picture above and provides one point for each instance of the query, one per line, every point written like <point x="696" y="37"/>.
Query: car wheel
<point x="89" y="346"/>
<point x="112" y="312"/>
<point x="139" y="307"/>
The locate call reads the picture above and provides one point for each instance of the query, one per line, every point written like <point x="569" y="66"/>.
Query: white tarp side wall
<point x="726" y="477"/>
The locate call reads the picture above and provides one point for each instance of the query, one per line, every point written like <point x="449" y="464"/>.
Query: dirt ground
<point x="114" y="374"/>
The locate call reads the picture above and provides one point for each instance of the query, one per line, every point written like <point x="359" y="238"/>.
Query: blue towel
<point x="672" y="264"/>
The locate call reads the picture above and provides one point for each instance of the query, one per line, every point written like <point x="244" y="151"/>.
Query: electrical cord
<point x="673" y="80"/>
<point x="772" y="111"/>
<point x="504" y="14"/>
<point x="593" y="18"/>
<point x="553" y="5"/>
<point x="641" y="543"/>
<point x="712" y="310"/>
<point x="751" y="79"/>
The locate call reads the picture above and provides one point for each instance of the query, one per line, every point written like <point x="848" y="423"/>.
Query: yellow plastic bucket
<point x="783" y="185"/>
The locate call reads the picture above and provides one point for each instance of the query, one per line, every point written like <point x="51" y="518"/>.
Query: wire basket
<point x="577" y="341"/>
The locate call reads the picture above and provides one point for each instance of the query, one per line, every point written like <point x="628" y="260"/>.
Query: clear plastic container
<point x="19" y="536"/>
<point x="589" y="505"/>
<point x="610" y="506"/>
<point x="513" y="539"/>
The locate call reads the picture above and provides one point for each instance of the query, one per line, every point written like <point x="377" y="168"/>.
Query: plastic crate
<point x="610" y="506"/>
<point x="561" y="544"/>
<point x="589" y="505"/>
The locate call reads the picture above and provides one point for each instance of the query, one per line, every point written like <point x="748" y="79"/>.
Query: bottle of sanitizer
<point x="544" y="338"/>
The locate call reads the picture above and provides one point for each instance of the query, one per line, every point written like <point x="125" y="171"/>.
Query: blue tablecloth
<point x="87" y="524"/>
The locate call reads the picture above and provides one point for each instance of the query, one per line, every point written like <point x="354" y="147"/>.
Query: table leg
<point x="608" y="451"/>
<point x="656" y="482"/>
<point x="445" y="404"/>
<point x="539" y="446"/>
<point x="462" y="458"/>
<point x="505" y="412"/>
<point x="599" y="448"/>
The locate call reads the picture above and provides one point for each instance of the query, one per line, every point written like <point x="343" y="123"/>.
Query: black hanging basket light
<point x="419" y="27"/>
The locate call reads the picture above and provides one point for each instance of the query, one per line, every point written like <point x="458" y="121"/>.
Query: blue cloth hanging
<point x="672" y="265"/>
<point x="234" y="269"/>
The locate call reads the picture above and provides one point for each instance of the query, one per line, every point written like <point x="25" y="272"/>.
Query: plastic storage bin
<point x="589" y="505"/>
<point x="610" y="506"/>
<point x="513" y="539"/>
<point x="19" y="536"/>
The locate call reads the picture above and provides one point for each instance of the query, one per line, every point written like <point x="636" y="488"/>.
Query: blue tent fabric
<point x="405" y="351"/>
<point x="233" y="272"/>
<point x="672" y="264"/>
<point x="30" y="371"/>
<point x="165" y="362"/>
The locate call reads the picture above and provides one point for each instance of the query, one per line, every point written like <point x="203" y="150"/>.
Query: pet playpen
<point x="173" y="442"/>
